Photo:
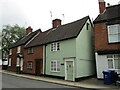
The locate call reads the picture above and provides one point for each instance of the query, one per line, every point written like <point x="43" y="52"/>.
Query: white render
<point x="101" y="64"/>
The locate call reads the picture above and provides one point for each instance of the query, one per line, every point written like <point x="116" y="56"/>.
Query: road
<point x="9" y="81"/>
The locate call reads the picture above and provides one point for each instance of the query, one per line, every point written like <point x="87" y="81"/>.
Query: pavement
<point x="91" y="83"/>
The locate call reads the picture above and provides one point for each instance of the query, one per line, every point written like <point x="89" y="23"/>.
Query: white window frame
<point x="57" y="66"/>
<point x="55" y="46"/>
<point x="113" y="60"/>
<point x="10" y="52"/>
<point x="116" y="33"/>
<point x="30" y="50"/>
<point x="9" y="63"/>
<point x="18" y="49"/>
<point x="30" y="65"/>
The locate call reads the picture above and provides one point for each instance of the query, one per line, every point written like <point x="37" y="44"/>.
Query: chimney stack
<point x="56" y="23"/>
<point x="102" y="6"/>
<point x="28" y="30"/>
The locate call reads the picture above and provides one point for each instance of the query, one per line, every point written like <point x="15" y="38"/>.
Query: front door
<point x="21" y="64"/>
<point x="69" y="69"/>
<point x="39" y="66"/>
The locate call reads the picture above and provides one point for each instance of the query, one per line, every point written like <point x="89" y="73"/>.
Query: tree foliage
<point x="11" y="34"/>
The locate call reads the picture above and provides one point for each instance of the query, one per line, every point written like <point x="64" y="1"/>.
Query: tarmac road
<point x="9" y="81"/>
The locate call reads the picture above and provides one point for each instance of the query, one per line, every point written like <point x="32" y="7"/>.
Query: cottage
<point x="33" y="60"/>
<point x="69" y="50"/>
<point x="107" y="38"/>
<point x="16" y="53"/>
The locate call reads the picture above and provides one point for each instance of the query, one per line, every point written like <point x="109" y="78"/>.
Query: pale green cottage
<point x="69" y="50"/>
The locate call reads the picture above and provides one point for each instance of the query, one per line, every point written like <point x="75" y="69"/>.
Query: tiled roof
<point x="67" y="31"/>
<point x="24" y="40"/>
<point x="111" y="12"/>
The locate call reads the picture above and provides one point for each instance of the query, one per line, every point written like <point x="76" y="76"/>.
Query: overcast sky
<point x="36" y="13"/>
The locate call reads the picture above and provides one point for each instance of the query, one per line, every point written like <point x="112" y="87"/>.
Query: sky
<point x="36" y="13"/>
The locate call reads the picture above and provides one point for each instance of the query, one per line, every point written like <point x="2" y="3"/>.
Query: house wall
<point x="13" y="60"/>
<point x="85" y="63"/>
<point x="67" y="49"/>
<point x="37" y="54"/>
<point x="101" y="38"/>
<point x="101" y="64"/>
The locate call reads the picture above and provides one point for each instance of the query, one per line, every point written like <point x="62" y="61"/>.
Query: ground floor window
<point x="113" y="61"/>
<point x="9" y="62"/>
<point x="29" y="65"/>
<point x="55" y="66"/>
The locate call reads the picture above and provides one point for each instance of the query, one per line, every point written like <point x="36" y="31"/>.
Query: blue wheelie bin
<point x="107" y="77"/>
<point x="112" y="72"/>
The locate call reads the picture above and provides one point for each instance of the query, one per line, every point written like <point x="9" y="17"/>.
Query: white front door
<point x="69" y="69"/>
<point x="21" y="64"/>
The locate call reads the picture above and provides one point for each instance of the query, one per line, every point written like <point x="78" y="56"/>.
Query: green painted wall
<point x="67" y="49"/>
<point x="85" y="52"/>
<point x="81" y="48"/>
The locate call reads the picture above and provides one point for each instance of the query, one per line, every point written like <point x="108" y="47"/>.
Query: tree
<point x="10" y="34"/>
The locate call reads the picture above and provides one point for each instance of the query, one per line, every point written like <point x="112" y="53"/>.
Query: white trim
<point x="21" y="64"/>
<point x="10" y="52"/>
<point x="9" y="62"/>
<point x="18" y="49"/>
<point x="32" y="39"/>
<point x="18" y="62"/>
<point x="113" y="60"/>
<point x="56" y="66"/>
<point x="43" y="59"/>
<point x="56" y="46"/>
<point x="67" y="60"/>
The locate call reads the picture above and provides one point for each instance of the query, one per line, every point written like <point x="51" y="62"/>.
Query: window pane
<point x="113" y="30"/>
<point x="109" y="56"/>
<point x="58" y="46"/>
<point x="110" y="63"/>
<point x="113" y="38"/>
<point x="116" y="56"/>
<point x="117" y="63"/>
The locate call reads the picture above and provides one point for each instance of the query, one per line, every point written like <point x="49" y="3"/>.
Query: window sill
<point x="114" y="43"/>
<point x="29" y="69"/>
<point x="54" y="71"/>
<point x="30" y="53"/>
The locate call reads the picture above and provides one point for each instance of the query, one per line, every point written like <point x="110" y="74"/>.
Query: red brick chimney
<point x="28" y="30"/>
<point x="102" y="6"/>
<point x="56" y="23"/>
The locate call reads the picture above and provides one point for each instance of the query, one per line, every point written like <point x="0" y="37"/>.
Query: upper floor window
<point x="30" y="50"/>
<point x="18" y="49"/>
<point x="87" y="26"/>
<point x="55" y="46"/>
<point x="10" y="52"/>
<point x="114" y="33"/>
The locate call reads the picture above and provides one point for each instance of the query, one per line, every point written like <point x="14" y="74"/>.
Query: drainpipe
<point x="44" y="60"/>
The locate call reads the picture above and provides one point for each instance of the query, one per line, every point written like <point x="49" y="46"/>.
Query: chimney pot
<point x="56" y="23"/>
<point x="28" y="30"/>
<point x="102" y="6"/>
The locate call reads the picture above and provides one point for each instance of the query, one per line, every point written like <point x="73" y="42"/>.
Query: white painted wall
<point x="101" y="64"/>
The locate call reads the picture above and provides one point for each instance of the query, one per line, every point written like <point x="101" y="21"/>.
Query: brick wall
<point x="101" y="38"/>
<point x="13" y="60"/>
<point x="37" y="54"/>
